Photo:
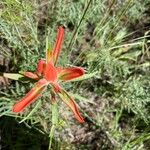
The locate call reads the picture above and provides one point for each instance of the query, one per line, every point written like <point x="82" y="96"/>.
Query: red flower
<point x="47" y="73"/>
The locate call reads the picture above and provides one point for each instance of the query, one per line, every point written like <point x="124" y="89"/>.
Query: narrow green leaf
<point x="13" y="76"/>
<point x="79" y="97"/>
<point x="130" y="56"/>
<point x="31" y="113"/>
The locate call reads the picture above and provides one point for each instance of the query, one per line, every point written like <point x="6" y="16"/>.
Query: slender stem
<point x="54" y="123"/>
<point x="76" y="30"/>
<point x="104" y="19"/>
<point x="51" y="134"/>
<point x="118" y="20"/>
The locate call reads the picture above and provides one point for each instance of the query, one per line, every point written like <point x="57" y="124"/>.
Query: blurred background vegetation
<point x="110" y="39"/>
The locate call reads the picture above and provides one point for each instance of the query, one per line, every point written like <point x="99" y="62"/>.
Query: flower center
<point x="50" y="72"/>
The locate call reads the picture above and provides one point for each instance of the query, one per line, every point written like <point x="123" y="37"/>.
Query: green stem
<point x="51" y="135"/>
<point x="75" y="32"/>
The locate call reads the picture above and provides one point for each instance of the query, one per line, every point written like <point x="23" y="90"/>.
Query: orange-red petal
<point x="59" y="40"/>
<point x="56" y="87"/>
<point x="31" y="96"/>
<point x="70" y="73"/>
<point x="30" y="75"/>
<point x="50" y="72"/>
<point x="71" y="104"/>
<point x="41" y="66"/>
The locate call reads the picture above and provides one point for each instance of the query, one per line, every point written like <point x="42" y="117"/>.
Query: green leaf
<point x="79" y="97"/>
<point x="13" y="76"/>
<point x="32" y="111"/>
<point x="145" y="65"/>
<point x="130" y="56"/>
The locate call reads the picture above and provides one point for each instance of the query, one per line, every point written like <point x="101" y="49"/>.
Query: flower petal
<point x="59" y="40"/>
<point x="41" y="66"/>
<point x="31" y="96"/>
<point x="30" y="75"/>
<point x="70" y="73"/>
<point x="50" y="72"/>
<point x="56" y="87"/>
<point x="72" y="105"/>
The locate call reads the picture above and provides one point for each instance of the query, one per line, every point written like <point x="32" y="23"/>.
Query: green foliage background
<point x="110" y="39"/>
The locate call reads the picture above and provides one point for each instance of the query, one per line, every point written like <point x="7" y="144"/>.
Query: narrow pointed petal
<point x="31" y="96"/>
<point x="41" y="66"/>
<point x="59" y="40"/>
<point x="56" y="87"/>
<point x="50" y="72"/>
<point x="71" y="104"/>
<point x="66" y="74"/>
<point x="30" y="75"/>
